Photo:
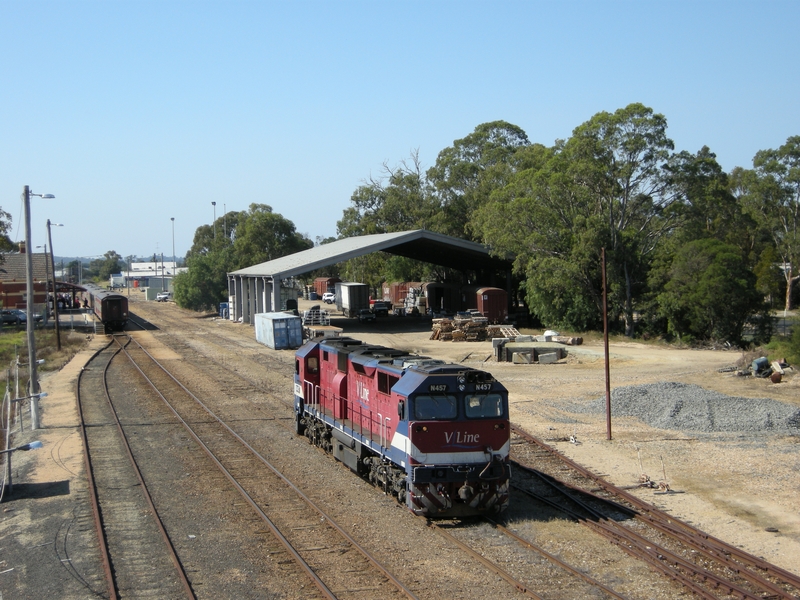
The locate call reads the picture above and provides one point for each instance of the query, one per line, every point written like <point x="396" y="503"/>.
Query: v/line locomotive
<point x="433" y="434"/>
<point x="109" y="307"/>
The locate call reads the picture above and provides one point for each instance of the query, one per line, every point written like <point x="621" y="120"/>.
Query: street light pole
<point x="214" y="204"/>
<point x="47" y="284"/>
<point x="55" y="284"/>
<point x="33" y="381"/>
<point x="174" y="261"/>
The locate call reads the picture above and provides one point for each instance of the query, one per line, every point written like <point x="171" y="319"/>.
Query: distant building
<point x="14" y="278"/>
<point x="148" y="275"/>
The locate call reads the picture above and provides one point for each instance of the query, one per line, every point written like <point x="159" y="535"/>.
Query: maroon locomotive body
<point x="433" y="434"/>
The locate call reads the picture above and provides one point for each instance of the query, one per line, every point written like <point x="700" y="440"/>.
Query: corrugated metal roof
<point x="418" y="244"/>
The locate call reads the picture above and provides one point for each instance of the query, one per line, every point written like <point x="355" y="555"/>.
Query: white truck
<point x="351" y="297"/>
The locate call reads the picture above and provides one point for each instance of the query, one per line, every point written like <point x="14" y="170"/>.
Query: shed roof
<point x="418" y="244"/>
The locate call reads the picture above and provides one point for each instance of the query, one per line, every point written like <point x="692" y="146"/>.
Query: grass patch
<point x="14" y="346"/>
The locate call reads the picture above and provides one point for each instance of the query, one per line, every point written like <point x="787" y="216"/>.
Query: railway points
<point x="233" y="356"/>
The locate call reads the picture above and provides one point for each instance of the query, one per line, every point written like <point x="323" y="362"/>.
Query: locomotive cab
<point x="458" y="441"/>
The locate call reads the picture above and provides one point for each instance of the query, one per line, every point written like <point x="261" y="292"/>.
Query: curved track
<point x="706" y="566"/>
<point x="720" y="581"/>
<point x="301" y="527"/>
<point x="138" y="556"/>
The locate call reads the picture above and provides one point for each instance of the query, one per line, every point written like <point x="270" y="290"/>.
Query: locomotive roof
<point x="371" y="355"/>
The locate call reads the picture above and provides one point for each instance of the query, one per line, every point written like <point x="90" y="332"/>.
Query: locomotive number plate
<point x="437" y="387"/>
<point x="483" y="387"/>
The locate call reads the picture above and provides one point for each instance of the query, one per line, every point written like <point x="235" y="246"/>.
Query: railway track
<point x="138" y="555"/>
<point x="705" y="566"/>
<point x="226" y="365"/>
<point x="526" y="580"/>
<point x="331" y="559"/>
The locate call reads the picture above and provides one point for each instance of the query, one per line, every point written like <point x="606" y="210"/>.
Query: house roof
<point x="418" y="244"/>
<point x="12" y="266"/>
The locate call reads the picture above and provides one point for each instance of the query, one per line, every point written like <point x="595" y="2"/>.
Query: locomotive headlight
<point x="462" y="387"/>
<point x="462" y="379"/>
<point x="499" y="426"/>
<point x="421" y="428"/>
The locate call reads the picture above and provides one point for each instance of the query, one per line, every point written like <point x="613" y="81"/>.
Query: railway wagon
<point x="433" y="434"/>
<point x="109" y="307"/>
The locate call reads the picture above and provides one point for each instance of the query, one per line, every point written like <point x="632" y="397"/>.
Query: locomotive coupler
<point x="465" y="492"/>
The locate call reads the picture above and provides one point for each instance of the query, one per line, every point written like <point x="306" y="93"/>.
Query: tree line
<point x="692" y="252"/>
<point x="233" y="241"/>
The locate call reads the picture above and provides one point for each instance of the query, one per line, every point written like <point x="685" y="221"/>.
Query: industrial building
<point x="257" y="289"/>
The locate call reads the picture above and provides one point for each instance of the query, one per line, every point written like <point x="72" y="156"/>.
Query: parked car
<point x="381" y="309"/>
<point x="329" y="297"/>
<point x="365" y="315"/>
<point x="164" y="296"/>
<point x="13" y="316"/>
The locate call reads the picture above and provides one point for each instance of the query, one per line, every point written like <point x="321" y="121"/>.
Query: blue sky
<point x="131" y="113"/>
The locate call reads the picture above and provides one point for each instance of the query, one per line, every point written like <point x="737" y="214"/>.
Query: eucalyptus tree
<point x="771" y="193"/>
<point x="254" y="236"/>
<point x="399" y="199"/>
<point x="607" y="187"/>
<point x="5" y="226"/>
<point x="710" y="293"/>
<point x="466" y="173"/>
<point x="263" y="235"/>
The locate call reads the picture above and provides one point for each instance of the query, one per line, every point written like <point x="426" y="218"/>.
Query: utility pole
<point x="174" y="260"/>
<point x="55" y="287"/>
<point x="33" y="382"/>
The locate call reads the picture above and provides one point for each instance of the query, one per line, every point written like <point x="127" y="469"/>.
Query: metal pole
<point x="46" y="315"/>
<point x="55" y="287"/>
<point x="162" y="272"/>
<point x="33" y="382"/>
<point x="174" y="261"/>
<point x="605" y="343"/>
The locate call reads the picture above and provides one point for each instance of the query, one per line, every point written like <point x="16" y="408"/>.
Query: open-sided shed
<point x="257" y="289"/>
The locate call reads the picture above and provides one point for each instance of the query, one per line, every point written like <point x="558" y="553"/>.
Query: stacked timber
<point x="469" y="329"/>
<point x="502" y="331"/>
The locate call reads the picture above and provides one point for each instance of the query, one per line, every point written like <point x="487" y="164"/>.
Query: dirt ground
<point x="741" y="488"/>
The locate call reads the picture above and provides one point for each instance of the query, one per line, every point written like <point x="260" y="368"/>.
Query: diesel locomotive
<point x="433" y="434"/>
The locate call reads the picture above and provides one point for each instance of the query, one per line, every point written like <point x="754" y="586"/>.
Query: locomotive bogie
<point x="434" y="435"/>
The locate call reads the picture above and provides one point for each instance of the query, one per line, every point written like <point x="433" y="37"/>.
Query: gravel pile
<point x="685" y="407"/>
